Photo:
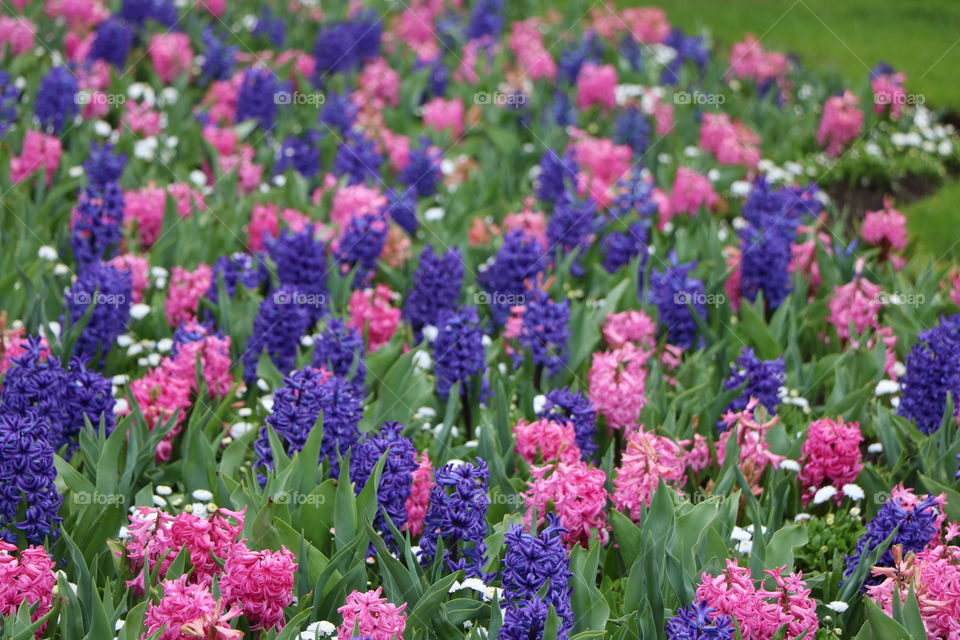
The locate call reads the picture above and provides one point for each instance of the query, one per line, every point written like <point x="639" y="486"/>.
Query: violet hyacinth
<point x="256" y="97"/>
<point x="486" y="19"/>
<point x="933" y="370"/>
<point x="422" y="173"/>
<point x="620" y="248"/>
<point x="110" y="291"/>
<point x="302" y="268"/>
<point x="760" y="379"/>
<point x="277" y="328"/>
<point x="632" y="128"/>
<point x="532" y="564"/>
<point x="672" y="291"/>
<point x="103" y="166"/>
<point x="458" y="351"/>
<point x="302" y="154"/>
<point x="570" y="227"/>
<point x="436" y="288"/>
<point x="339" y="111"/>
<point x="112" y="41"/>
<point x="396" y="479"/>
<point x="340" y="350"/>
<point x="28" y="494"/>
<point x="218" y="57"/>
<point x="518" y="262"/>
<point x="361" y="245"/>
<point x="563" y="405"/>
<point x="556" y="173"/>
<point x="402" y="208"/>
<point x="9" y="97"/>
<point x="636" y="194"/>
<point x="56" y="102"/>
<point x="345" y="45"/>
<point x="699" y="621"/>
<point x="96" y="225"/>
<point x="357" y="158"/>
<point x="238" y="268"/>
<point x="765" y="255"/>
<point x="545" y="332"/>
<point x="137" y="12"/>
<point x="458" y="515"/>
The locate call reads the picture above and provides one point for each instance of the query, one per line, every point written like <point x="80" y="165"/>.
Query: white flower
<point x="198" y="178"/>
<point x="102" y="128"/>
<point x="164" y="345"/>
<point x="262" y="385"/>
<point x="144" y="149"/>
<point x="307" y="341"/>
<point x="838" y="605"/>
<point x="790" y="465"/>
<point x="267" y="402"/>
<point x="801" y="517"/>
<point x="139" y="311"/>
<point x="202" y="495"/>
<point x="61" y="270"/>
<point x="245" y="412"/>
<point x="425" y="412"/>
<point x="163" y="490"/>
<point x="159" y="501"/>
<point x="75" y="172"/>
<point x="154" y="359"/>
<point x="434" y="214"/>
<point x="135" y="349"/>
<point x="422" y="360"/>
<point x="430" y="333"/>
<point x="853" y="491"/>
<point x="321" y="629"/>
<point x="886" y="387"/>
<point x="237" y="429"/>
<point x="740" y="534"/>
<point x="121" y="406"/>
<point x="875" y="448"/>
<point x="539" y="402"/>
<point x="740" y="188"/>
<point x="120" y="379"/>
<point x="823" y="494"/>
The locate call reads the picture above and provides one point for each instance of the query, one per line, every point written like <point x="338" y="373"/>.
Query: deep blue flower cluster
<point x="339" y="111"/>
<point x="300" y="153"/>
<point x="9" y="96"/>
<point x="589" y="49"/>
<point x="238" y="268"/>
<point x="29" y="500"/>
<point x="436" y="288"/>
<point x="933" y="371"/>
<point x="361" y="245"/>
<point x="111" y="291"/>
<point x="544" y="330"/>
<point x="56" y="102"/>
<point x="273" y="28"/>
<point x="526" y="620"/>
<point x="218" y="57"/>
<point x="760" y="379"/>
<point x="632" y="128"/>
<point x="636" y="195"/>
<point x="458" y="515"/>
<point x="557" y="173"/>
<point x="346" y="45"/>
<point x="565" y="405"/>
<point x="699" y="621"/>
<point x="257" y="97"/>
<point x="765" y="256"/>
<point x="402" y="208"/>
<point x="103" y="166"/>
<point x="97" y="227"/>
<point x="277" y="328"/>
<point x="422" y="172"/>
<point x="678" y="296"/>
<point x="112" y="42"/>
<point x="486" y="19"/>
<point x="688" y="48"/>
<point x="570" y="227"/>
<point x="357" y="158"/>
<point x="458" y="351"/>
<point x="535" y="564"/>
<point x="519" y="261"/>
<point x="340" y="350"/>
<point x="620" y="248"/>
<point x="302" y="267"/>
<point x="914" y="530"/>
<point x="137" y="12"/>
<point x="342" y="408"/>
<point x="396" y="479"/>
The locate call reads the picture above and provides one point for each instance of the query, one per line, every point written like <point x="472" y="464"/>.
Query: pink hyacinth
<point x="526" y="43"/>
<point x="597" y="85"/>
<point x="419" y="499"/>
<point x="17" y="33"/>
<point x="441" y="114"/>
<point x="647" y="459"/>
<point x="630" y="326"/>
<point x="545" y="441"/>
<point x="731" y="142"/>
<point x="260" y="583"/>
<point x="533" y="223"/>
<point x="141" y="119"/>
<point x="602" y="165"/>
<point x="698" y="457"/>
<point x="145" y="207"/>
<point x="691" y="191"/>
<point x="221" y="99"/>
<point x="186" y="199"/>
<point x="160" y="394"/>
<point x="842" y="122"/>
<point x="856" y="304"/>
<point x="213" y="354"/>
<point x="886" y="228"/>
<point x="372" y="314"/>
<point x="80" y="15"/>
<point x="40" y="151"/>
<point x="749" y="60"/>
<point x="760" y="612"/>
<point x="26" y="577"/>
<point x="378" y="85"/>
<point x="954" y="286"/>
<point x="186" y="290"/>
<point x="157" y="537"/>
<point x="648" y="25"/>
<point x="751" y="435"/>
<point x="354" y="201"/>
<point x="831" y="456"/>
<point x="616" y="384"/>
<point x="370" y="615"/>
<point x="578" y="496"/>
<point x="138" y="267"/>
<point x="888" y="93"/>
<point x="170" y="54"/>
<point x="189" y="611"/>
<point x="263" y="225"/>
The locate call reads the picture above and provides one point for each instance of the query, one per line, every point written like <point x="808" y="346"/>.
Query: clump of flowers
<point x="647" y="459"/>
<point x="933" y="371"/>
<point x="189" y="611"/>
<point x="372" y="616"/>
<point x="617" y="379"/>
<point x="186" y="289"/>
<point x="831" y="456"/>
<point x="842" y="122"/>
<point x="885" y="228"/>
<point x="751" y="436"/>
<point x="259" y="583"/>
<point x="26" y="577"/>
<point x="563" y="405"/>
<point x="760" y="379"/>
<point x="577" y="494"/>
<point x="30" y="501"/>
<point x="699" y="621"/>
<point x="546" y="441"/>
<point x="372" y="314"/>
<point x="419" y="499"/>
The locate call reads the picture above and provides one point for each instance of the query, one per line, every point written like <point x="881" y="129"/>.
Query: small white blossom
<point x="539" y="402"/>
<point x="163" y="490"/>
<point x="838" y="605"/>
<point x="875" y="448"/>
<point x="823" y="494"/>
<point x="790" y="465"/>
<point x="164" y="345"/>
<point x="139" y="311"/>
<point x="434" y="214"/>
<point x="202" y="495"/>
<point x="886" y="387"/>
<point x="853" y="491"/>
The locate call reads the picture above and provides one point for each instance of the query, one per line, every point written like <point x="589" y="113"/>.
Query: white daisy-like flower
<point x="802" y="517"/>
<point x="422" y="360"/>
<point x="158" y="501"/>
<point x="237" y="429"/>
<point x="823" y="494"/>
<point x="164" y="345"/>
<point x="790" y="465"/>
<point x="202" y="495"/>
<point x="121" y="406"/>
<point x="267" y="402"/>
<point x="886" y="387"/>
<point x="139" y="311"/>
<point x="434" y="214"/>
<point x="740" y="534"/>
<point x="853" y="491"/>
<point x="430" y="333"/>
<point x="875" y="448"/>
<point x="163" y="490"/>
<point x="838" y="605"/>
<point x="539" y="402"/>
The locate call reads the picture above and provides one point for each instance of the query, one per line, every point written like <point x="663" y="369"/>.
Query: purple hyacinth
<point x="699" y="621"/>
<point x="339" y="111"/>
<point x="238" y="268"/>
<point x="458" y="515"/>
<point x="436" y="288"/>
<point x="9" y="97"/>
<point x="422" y="172"/>
<point x="97" y="225"/>
<point x="277" y="328"/>
<point x="674" y="292"/>
<point x="28" y="493"/>
<point x="110" y="290"/>
<point x="760" y="379"/>
<point x="765" y="263"/>
<point x="620" y="248"/>
<point x="345" y="45"/>
<point x="458" y="351"/>
<point x="519" y="260"/>
<point x="572" y="59"/>
<point x="112" y="42"/>
<point x="56" y="102"/>
<point x="103" y="166"/>
<point x="302" y="267"/>
<point x="632" y="128"/>
<point x="361" y="245"/>
<point x="689" y="49"/>
<point x="535" y="564"/>
<point x="635" y="194"/>
<point x="933" y="371"/>
<point x="570" y="227"/>
<point x="402" y="208"/>
<point x="302" y="154"/>
<point x="544" y="331"/>
<point x="256" y="97"/>
<point x="357" y="158"/>
<point x="915" y="528"/>
<point x="396" y="479"/>
<point x="340" y="350"/>
<point x="275" y="29"/>
<point x="572" y="406"/>
<point x="137" y="12"/>
<point x="218" y="57"/>
<point x="556" y="173"/>
<point x="486" y="20"/>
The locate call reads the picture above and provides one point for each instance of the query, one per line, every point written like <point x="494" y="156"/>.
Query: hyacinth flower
<point x="647" y="460"/>
<point x="357" y="158"/>
<point x="557" y="175"/>
<point x="302" y="269"/>
<point x="256" y="98"/>
<point x="346" y="45"/>
<point x="104" y="167"/>
<point x="372" y="616"/>
<point x="678" y="297"/>
<point x="96" y="224"/>
<point x="26" y="578"/>
<point x="301" y="154"/>
<point x="756" y="378"/>
<point x="29" y="500"/>
<point x="519" y="261"/>
<point x="112" y="41"/>
<point x="699" y="621"/>
<point x="577" y="495"/>
<point x="277" y="329"/>
<point x="564" y="405"/>
<point x="56" y="103"/>
<point x="437" y="285"/>
<point x="933" y="371"/>
<point x="422" y="172"/>
<point x="765" y="256"/>
<point x="546" y="441"/>
<point x="360" y="246"/>
<point x="339" y="349"/>
<point x="750" y="432"/>
<point x="260" y="583"/>
<point x="218" y="57"/>
<point x="541" y="327"/>
<point x="373" y="315"/>
<point x="237" y="269"/>
<point x="396" y="479"/>
<point x="418" y="502"/>
<point x="831" y="457"/>
<point x="617" y="383"/>
<point x="620" y="248"/>
<point x="110" y="291"/>
<point x="841" y="124"/>
<point x="916" y="519"/>
<point x="570" y="227"/>
<point x="190" y="609"/>
<point x="534" y="564"/>
<point x="458" y="516"/>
